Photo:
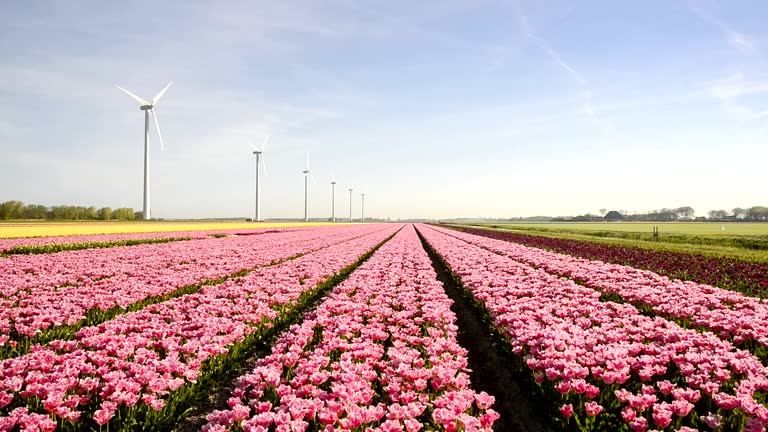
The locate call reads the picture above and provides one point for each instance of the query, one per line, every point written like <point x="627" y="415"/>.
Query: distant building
<point x="613" y="216"/>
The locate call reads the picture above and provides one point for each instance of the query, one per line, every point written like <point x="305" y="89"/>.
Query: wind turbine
<point x="307" y="175"/>
<point x="333" y="198"/>
<point x="147" y="107"/>
<point x="362" y="208"/>
<point x="350" y="202"/>
<point x="259" y="159"/>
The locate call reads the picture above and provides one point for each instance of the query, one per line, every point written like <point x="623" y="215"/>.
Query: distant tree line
<point x="684" y="213"/>
<point x="680" y="214"/>
<point x="755" y="214"/>
<point x="11" y="210"/>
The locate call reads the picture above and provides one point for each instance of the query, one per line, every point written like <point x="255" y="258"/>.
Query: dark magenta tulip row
<point x="138" y="363"/>
<point x="380" y="354"/>
<point x="729" y="314"/>
<point x="750" y="278"/>
<point x="608" y="366"/>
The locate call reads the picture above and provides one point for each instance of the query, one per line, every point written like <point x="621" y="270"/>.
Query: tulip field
<point x="380" y="350"/>
<point x="607" y="365"/>
<point x="355" y="328"/>
<point x="746" y="276"/>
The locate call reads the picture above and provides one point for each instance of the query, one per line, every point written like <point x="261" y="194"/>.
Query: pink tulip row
<point x="7" y="244"/>
<point x="604" y="361"/>
<point x="730" y="314"/>
<point x="39" y="292"/>
<point x="139" y="361"/>
<point x="379" y="354"/>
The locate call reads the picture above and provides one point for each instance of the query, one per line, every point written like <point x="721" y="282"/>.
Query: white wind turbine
<point x="259" y="160"/>
<point x="147" y="107"/>
<point x="350" y="202"/>
<point x="307" y="175"/>
<point x="362" y="207"/>
<point x="333" y="198"/>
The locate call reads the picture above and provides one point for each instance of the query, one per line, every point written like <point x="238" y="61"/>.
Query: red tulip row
<point x="144" y="366"/>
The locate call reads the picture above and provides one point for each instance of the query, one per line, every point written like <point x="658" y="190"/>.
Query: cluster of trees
<point x="682" y="214"/>
<point x="10" y="210"/>
<point x="751" y="214"/>
<point x="756" y="214"/>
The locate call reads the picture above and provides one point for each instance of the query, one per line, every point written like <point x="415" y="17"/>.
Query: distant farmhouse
<point x="613" y="216"/>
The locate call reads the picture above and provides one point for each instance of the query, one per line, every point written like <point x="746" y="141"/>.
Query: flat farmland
<point x="375" y="327"/>
<point x="720" y="229"/>
<point x="743" y="241"/>
<point x="41" y="229"/>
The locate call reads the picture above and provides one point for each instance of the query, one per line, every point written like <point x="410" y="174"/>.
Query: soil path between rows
<point x="489" y="372"/>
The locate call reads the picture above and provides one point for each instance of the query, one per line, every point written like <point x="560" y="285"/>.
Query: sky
<point x="433" y="109"/>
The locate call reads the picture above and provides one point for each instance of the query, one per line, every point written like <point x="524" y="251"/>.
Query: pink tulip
<point x="593" y="408"/>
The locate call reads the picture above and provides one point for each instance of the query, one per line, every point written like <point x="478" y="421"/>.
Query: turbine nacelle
<point x="308" y="172"/>
<point x="259" y="150"/>
<point x="149" y="106"/>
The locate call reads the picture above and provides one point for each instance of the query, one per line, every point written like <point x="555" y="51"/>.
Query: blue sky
<point x="452" y="108"/>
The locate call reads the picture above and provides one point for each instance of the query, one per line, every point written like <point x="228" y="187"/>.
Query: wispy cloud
<point x="587" y="106"/>
<point x="731" y="90"/>
<point x="735" y="86"/>
<point x="706" y="10"/>
<point x="545" y="46"/>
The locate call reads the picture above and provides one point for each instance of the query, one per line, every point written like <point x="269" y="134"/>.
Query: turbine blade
<point x="313" y="177"/>
<point x="252" y="146"/>
<point x="157" y="125"/>
<point x="264" y="144"/>
<point x="264" y="164"/>
<point x="156" y="99"/>
<point x="138" y="99"/>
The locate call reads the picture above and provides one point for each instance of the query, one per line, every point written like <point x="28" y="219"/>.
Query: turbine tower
<point x="147" y="107"/>
<point x="362" y="208"/>
<point x="350" y="203"/>
<point x="333" y="198"/>
<point x="259" y="159"/>
<point x="307" y="175"/>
